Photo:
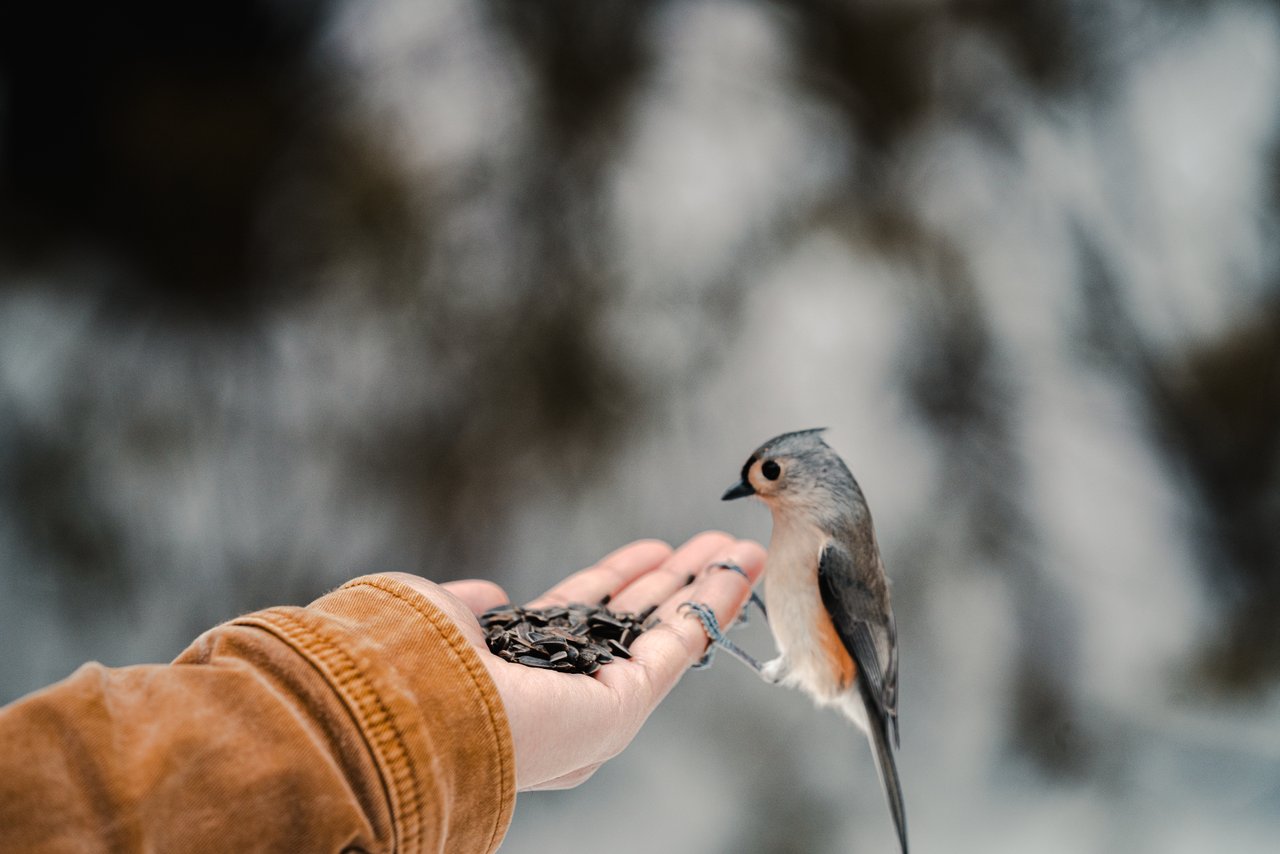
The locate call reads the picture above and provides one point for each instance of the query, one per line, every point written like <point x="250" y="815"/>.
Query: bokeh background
<point x="295" y="291"/>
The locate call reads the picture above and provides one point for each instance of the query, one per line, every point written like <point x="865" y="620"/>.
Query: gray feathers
<point x="856" y="615"/>
<point x="818" y="484"/>
<point x="821" y="515"/>
<point x="888" y="771"/>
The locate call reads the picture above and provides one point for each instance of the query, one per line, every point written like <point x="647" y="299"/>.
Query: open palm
<point x="564" y="725"/>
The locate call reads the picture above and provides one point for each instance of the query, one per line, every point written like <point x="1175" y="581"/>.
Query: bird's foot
<point x="711" y="626"/>
<point x="755" y="599"/>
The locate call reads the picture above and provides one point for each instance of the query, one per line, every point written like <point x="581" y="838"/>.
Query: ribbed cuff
<point x="424" y="704"/>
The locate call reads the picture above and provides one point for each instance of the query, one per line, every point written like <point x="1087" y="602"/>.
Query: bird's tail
<point x="882" y="751"/>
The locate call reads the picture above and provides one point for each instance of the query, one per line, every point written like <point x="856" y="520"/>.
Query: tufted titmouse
<point x="827" y="593"/>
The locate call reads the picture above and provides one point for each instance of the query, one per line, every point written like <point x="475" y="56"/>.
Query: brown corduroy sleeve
<point x="363" y="722"/>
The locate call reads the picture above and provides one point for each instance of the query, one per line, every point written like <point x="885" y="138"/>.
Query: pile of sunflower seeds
<point x="568" y="638"/>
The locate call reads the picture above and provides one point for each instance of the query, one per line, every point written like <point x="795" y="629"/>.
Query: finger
<point x="669" y="648"/>
<point x="676" y="572"/>
<point x="567" y="781"/>
<point x="478" y="595"/>
<point x="610" y="575"/>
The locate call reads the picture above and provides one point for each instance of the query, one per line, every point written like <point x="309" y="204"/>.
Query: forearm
<point x="362" y="720"/>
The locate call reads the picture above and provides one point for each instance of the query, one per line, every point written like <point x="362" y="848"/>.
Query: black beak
<point x="741" y="489"/>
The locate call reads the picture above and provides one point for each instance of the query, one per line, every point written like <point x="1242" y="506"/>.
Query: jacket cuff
<point x="425" y="705"/>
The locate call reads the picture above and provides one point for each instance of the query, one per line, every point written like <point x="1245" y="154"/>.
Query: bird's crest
<point x="795" y="434"/>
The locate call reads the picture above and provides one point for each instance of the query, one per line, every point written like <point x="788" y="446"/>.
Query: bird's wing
<point x="855" y="613"/>
<point x="891" y="678"/>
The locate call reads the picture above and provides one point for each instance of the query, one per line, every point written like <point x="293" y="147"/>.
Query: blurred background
<point x="294" y="291"/>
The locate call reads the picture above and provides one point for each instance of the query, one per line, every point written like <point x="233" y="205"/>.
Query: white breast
<point x="795" y="606"/>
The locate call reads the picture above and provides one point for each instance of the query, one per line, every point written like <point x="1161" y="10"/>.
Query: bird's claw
<point x="732" y="567"/>
<point x="743" y="616"/>
<point x="710" y="625"/>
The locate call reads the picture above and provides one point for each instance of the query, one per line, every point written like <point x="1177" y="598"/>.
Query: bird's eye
<point x="770" y="469"/>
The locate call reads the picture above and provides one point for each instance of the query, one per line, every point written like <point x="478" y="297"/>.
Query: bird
<point x="827" y="595"/>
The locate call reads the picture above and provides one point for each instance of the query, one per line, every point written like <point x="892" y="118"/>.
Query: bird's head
<point x="795" y="472"/>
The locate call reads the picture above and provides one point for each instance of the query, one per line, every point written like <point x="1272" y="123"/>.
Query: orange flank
<point x="842" y="666"/>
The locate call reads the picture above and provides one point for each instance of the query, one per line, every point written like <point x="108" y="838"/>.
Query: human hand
<point x="564" y="725"/>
